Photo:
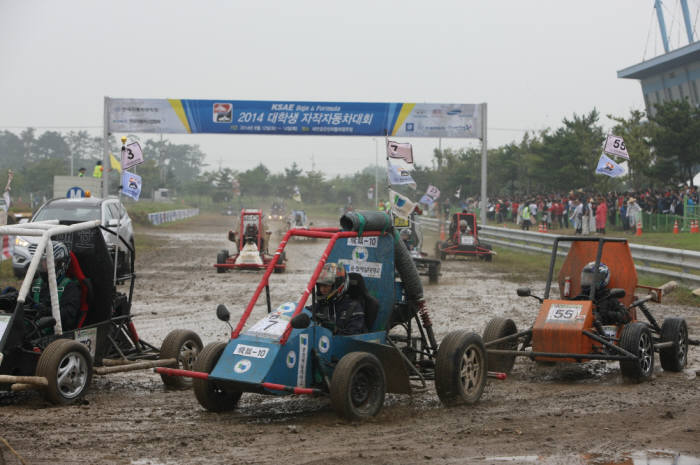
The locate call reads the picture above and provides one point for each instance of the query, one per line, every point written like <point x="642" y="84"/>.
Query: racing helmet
<point x="334" y="275"/>
<point x="599" y="278"/>
<point x="463" y="225"/>
<point x="61" y="258"/>
<point x="405" y="234"/>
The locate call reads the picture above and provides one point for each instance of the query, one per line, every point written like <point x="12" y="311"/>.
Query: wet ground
<point x="561" y="414"/>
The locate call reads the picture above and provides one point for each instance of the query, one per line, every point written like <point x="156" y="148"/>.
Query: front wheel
<point x="498" y="328"/>
<point x="67" y="365"/>
<point x="358" y="386"/>
<point x="184" y="346"/>
<point x="211" y="395"/>
<point x="460" y="368"/>
<point x="220" y="260"/>
<point x="636" y="338"/>
<point x="675" y="357"/>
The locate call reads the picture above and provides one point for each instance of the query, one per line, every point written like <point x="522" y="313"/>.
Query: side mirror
<point x="524" y="292"/>
<point x="617" y="293"/>
<point x="222" y="313"/>
<point x="232" y="236"/>
<point x="301" y="321"/>
<point x="23" y="220"/>
<point x="113" y="223"/>
<point x="46" y="322"/>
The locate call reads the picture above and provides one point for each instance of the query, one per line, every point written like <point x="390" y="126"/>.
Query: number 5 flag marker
<point x="614" y="145"/>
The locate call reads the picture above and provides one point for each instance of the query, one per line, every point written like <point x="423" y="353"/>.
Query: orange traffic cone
<point x="544" y="228"/>
<point x="675" y="227"/>
<point x="694" y="226"/>
<point x="539" y="228"/>
<point x="639" y="228"/>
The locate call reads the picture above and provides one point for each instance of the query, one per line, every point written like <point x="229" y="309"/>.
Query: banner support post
<point x="484" y="158"/>
<point x="105" y="149"/>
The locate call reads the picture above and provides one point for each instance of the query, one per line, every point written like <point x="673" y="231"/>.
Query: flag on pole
<point x="131" y="185"/>
<point x="131" y="155"/>
<point x="401" y="205"/>
<point x="114" y="163"/>
<point x="608" y="167"/>
<point x="297" y="194"/>
<point x="399" y="175"/>
<point x="614" y="145"/>
<point x="426" y="199"/>
<point x="458" y="192"/>
<point x="402" y="151"/>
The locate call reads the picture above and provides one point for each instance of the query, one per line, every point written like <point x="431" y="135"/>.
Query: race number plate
<point x="564" y="312"/>
<point x="4" y="323"/>
<point x="251" y="351"/>
<point x="370" y="241"/>
<point x="274" y="324"/>
<point x="87" y="337"/>
<point x="467" y="240"/>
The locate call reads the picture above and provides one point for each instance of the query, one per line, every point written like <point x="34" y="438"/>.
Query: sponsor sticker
<point x="324" y="344"/>
<point x="251" y="351"/>
<point x="87" y="337"/>
<point x="303" y="355"/>
<point x="366" y="269"/>
<point x="291" y="359"/>
<point x="360" y="254"/>
<point x="242" y="366"/>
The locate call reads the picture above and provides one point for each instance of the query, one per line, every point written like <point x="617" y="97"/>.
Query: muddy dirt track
<point x="563" y="414"/>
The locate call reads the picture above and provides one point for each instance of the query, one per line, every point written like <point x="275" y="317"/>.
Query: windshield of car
<point x="68" y="213"/>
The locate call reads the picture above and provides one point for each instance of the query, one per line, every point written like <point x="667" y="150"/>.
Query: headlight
<point x="21" y="242"/>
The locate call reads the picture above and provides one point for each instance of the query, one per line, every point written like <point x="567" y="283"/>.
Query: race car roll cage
<point x="455" y="248"/>
<point x="620" y="353"/>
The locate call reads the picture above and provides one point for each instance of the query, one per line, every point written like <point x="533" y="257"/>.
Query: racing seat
<point x="358" y="290"/>
<point x="86" y="291"/>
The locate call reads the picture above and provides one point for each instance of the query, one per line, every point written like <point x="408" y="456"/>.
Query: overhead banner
<point x="293" y="118"/>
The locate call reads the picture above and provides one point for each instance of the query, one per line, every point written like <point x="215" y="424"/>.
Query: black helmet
<point x="61" y="258"/>
<point x="334" y="275"/>
<point x="589" y="276"/>
<point x="405" y="234"/>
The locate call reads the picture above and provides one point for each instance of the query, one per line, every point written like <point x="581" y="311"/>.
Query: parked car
<point x="108" y="211"/>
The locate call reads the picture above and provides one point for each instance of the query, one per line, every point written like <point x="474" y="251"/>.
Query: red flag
<point x="402" y="151"/>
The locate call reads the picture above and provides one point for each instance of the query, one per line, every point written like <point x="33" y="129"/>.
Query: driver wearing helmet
<point x="334" y="307"/>
<point x="68" y="289"/>
<point x="464" y="227"/>
<point x="609" y="310"/>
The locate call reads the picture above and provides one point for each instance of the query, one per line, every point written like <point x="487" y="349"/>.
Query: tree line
<point x="664" y="152"/>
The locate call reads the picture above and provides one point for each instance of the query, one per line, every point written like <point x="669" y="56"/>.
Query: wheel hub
<point x="72" y="375"/>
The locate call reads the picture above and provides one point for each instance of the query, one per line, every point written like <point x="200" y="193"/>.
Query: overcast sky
<point x="533" y="61"/>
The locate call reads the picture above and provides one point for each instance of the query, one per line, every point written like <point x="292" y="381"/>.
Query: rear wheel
<point x="433" y="273"/>
<point x="184" y="346"/>
<point x="487" y="257"/>
<point x="220" y="260"/>
<point x="460" y="368"/>
<point x="636" y="338"/>
<point x="67" y="365"/>
<point x="282" y="259"/>
<point x="675" y="357"/>
<point x="358" y="386"/>
<point x="211" y="395"/>
<point x="498" y="328"/>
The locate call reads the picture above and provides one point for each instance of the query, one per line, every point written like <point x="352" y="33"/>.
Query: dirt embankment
<point x="563" y="414"/>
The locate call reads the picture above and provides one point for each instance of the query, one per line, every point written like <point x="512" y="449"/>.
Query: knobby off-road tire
<point x="220" y="260"/>
<point x="281" y="261"/>
<point x="185" y="346"/>
<point x="358" y="386"/>
<point x="460" y="368"/>
<point x="211" y="395"/>
<point x="675" y="357"/>
<point x="488" y="257"/>
<point x="636" y="338"/>
<point x="67" y="365"/>
<point x="434" y="273"/>
<point x="496" y="329"/>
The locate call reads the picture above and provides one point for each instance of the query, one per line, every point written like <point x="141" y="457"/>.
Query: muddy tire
<point x="460" y="368"/>
<point x="185" y="346"/>
<point x="487" y="257"/>
<point x="281" y="261"/>
<point x="358" y="386"/>
<point x="674" y="358"/>
<point x="67" y="365"/>
<point x="496" y="329"/>
<point x="221" y="259"/>
<point x="439" y="254"/>
<point x="433" y="273"/>
<point x="636" y="338"/>
<point x="211" y="395"/>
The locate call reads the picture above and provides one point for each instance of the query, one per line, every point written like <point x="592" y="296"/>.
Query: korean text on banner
<point x="402" y="151"/>
<point x="614" y="145"/>
<point x="608" y="167"/>
<point x="399" y="175"/>
<point x="401" y="205"/>
<point x="132" y="155"/>
<point x="131" y="185"/>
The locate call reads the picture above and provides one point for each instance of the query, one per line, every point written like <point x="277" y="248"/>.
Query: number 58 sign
<point x="131" y="155"/>
<point x="614" y="145"/>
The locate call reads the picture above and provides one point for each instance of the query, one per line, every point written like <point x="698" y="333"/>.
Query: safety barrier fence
<point x="678" y="264"/>
<point x="171" y="215"/>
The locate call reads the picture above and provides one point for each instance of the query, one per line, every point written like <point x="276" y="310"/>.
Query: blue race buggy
<point x="291" y="352"/>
